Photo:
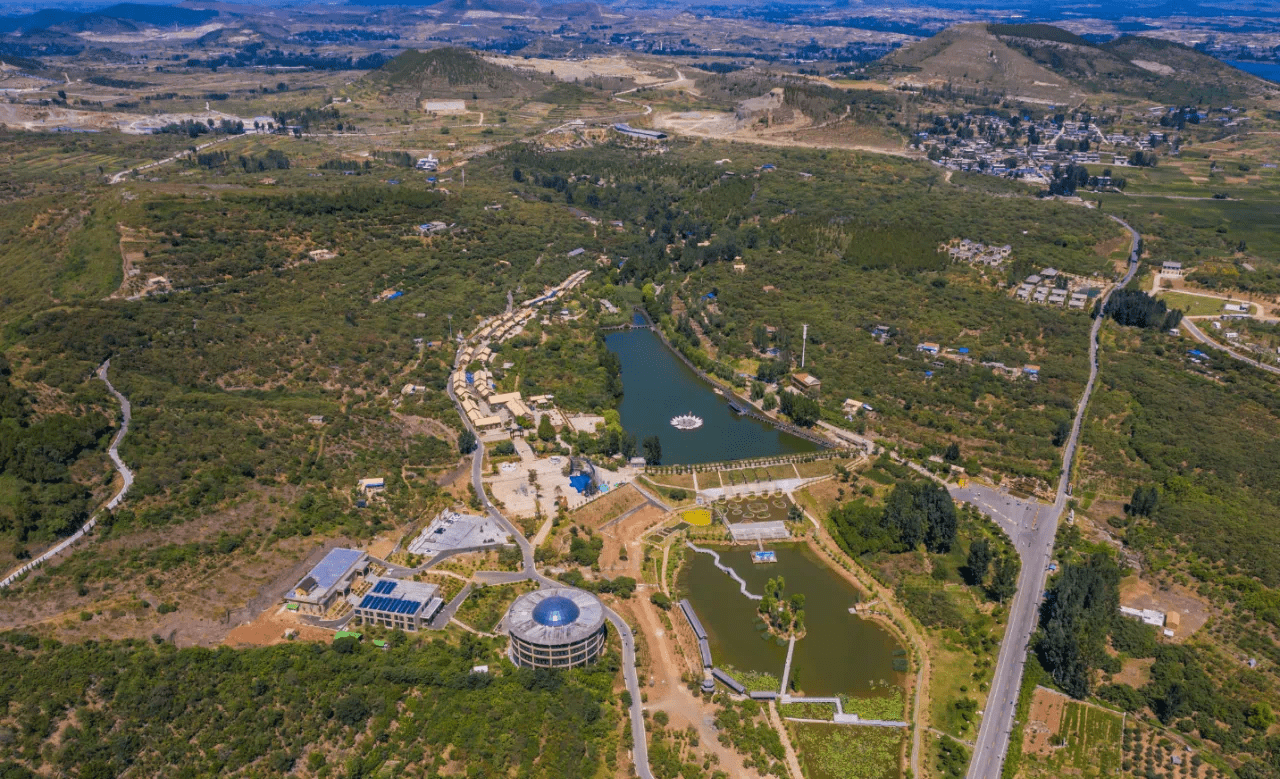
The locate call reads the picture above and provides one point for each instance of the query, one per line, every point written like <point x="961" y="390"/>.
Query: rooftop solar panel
<point x="329" y="570"/>
<point x="389" y="586"/>
<point x="364" y="603"/>
<point x="377" y="588"/>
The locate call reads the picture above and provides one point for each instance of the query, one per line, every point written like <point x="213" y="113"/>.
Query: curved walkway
<point x="742" y="585"/>
<point x="126" y="476"/>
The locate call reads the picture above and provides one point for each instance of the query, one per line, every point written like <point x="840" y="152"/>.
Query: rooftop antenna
<point x="804" y="341"/>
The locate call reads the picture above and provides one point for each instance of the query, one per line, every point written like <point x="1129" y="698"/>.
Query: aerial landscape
<point x="515" y="388"/>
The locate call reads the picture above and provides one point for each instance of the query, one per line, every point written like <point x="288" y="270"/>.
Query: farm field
<point x="1066" y="737"/>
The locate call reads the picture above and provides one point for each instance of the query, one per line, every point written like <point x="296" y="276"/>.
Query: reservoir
<point x="841" y="653"/>
<point x="657" y="386"/>
<point x="1268" y="70"/>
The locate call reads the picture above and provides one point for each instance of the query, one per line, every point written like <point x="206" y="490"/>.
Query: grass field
<point x="845" y="752"/>
<point x="1193" y="305"/>
<point x="485" y="606"/>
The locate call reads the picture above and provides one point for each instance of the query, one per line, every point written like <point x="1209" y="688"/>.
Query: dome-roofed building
<point x="560" y="627"/>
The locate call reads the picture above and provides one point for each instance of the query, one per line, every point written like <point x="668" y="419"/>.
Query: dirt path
<point x="666" y="690"/>
<point x="793" y="762"/>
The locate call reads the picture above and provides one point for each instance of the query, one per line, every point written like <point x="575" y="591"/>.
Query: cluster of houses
<point x="473" y="389"/>
<point x="996" y="150"/>
<point x="965" y="250"/>
<point x="1047" y="288"/>
<point x="485" y="408"/>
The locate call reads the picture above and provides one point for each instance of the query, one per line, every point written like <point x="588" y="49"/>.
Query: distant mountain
<point x="122" y="16"/>
<point x="1043" y="63"/>
<point x="448" y="73"/>
<point x="39" y="20"/>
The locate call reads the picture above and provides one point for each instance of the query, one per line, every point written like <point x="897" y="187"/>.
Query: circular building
<point x="556" y="628"/>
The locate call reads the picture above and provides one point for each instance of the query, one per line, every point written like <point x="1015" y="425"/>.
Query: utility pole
<point x="804" y="342"/>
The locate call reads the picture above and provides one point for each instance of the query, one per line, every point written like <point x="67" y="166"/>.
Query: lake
<point x="841" y="653"/>
<point x="657" y="386"/>
<point x="1268" y="70"/>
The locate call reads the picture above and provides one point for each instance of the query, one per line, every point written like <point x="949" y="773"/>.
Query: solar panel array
<point x="383" y="587"/>
<point x="389" y="605"/>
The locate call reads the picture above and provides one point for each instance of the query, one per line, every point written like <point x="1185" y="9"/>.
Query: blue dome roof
<point x="555" y="611"/>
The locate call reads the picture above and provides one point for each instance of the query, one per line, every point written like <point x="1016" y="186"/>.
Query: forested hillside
<point x="846" y="243"/>
<point x="102" y="710"/>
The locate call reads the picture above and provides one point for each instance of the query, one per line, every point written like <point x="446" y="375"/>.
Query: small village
<point x="1028" y="150"/>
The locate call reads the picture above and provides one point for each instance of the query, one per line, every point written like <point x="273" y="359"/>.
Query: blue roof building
<point x="328" y="581"/>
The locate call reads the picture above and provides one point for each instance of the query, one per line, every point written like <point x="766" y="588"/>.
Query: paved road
<point x="640" y="746"/>
<point x="126" y="475"/>
<point x="1032" y="527"/>
<point x="1197" y="334"/>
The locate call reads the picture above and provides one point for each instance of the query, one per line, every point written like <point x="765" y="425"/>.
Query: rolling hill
<point x="448" y="73"/>
<point x="1045" y="64"/>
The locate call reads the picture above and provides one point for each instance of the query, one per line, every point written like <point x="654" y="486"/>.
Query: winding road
<point x="126" y="476"/>
<point x="1032" y="526"/>
<point x="1197" y="334"/>
<point x="640" y="746"/>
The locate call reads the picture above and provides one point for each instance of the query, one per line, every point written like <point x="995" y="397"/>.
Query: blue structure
<point x="579" y="482"/>
<point x="555" y="611"/>
<point x="962" y="350"/>
<point x="329" y="570"/>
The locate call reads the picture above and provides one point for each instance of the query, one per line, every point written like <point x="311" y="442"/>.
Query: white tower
<point x="804" y="341"/>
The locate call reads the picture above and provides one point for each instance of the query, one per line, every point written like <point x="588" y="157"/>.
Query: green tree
<point x="1004" y="581"/>
<point x="978" y="562"/>
<point x="952" y="455"/>
<point x="466" y="442"/>
<point x="652" y="450"/>
<point x="546" y="431"/>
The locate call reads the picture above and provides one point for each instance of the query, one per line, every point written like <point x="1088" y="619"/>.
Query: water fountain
<point x="686" y="422"/>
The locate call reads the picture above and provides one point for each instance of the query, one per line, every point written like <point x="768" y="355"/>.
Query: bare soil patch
<point x="626" y="535"/>
<point x="611" y="506"/>
<point x="1192" y="610"/>
<point x="1044" y="721"/>
<point x="1135" y="673"/>
<point x="270" y="628"/>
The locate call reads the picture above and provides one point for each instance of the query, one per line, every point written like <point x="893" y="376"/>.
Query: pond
<point x="657" y="386"/>
<point x="840" y="654"/>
